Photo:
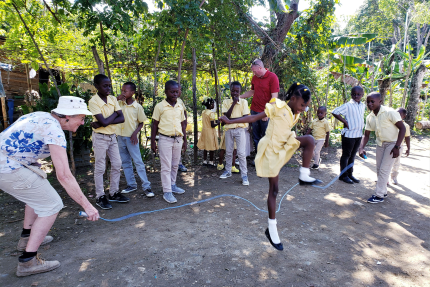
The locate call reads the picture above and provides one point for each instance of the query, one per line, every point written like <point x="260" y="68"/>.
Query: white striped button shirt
<point x="354" y="115"/>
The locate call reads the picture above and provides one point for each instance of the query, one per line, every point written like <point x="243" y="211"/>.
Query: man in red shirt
<point x="264" y="87"/>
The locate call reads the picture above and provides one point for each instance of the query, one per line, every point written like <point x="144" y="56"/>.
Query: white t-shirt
<point x="27" y="140"/>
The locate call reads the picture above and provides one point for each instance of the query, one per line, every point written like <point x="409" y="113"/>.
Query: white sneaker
<point x="245" y="180"/>
<point x="394" y="180"/>
<point x="225" y="174"/>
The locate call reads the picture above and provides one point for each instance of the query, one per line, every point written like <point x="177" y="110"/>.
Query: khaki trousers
<point x="106" y="144"/>
<point x="384" y="164"/>
<point x="317" y="151"/>
<point x="170" y="154"/>
<point x="239" y="136"/>
<point x="396" y="165"/>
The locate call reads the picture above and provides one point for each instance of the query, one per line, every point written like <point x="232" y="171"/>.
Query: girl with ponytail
<point x="278" y="146"/>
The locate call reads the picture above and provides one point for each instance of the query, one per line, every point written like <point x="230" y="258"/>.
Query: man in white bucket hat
<point x="35" y="136"/>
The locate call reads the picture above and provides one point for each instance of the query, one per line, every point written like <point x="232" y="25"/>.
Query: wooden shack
<point x="15" y="82"/>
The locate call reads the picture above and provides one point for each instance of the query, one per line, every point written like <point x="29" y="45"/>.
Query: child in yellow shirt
<point x="208" y="140"/>
<point x="106" y="114"/>
<point x="169" y="121"/>
<point x="396" y="166"/>
<point x="390" y="131"/>
<point x="320" y="130"/>
<point x="235" y="108"/>
<point x="279" y="144"/>
<point x="128" y="141"/>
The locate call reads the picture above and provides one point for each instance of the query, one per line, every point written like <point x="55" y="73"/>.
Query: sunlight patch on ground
<point x="423" y="209"/>
<point x="84" y="265"/>
<point x="64" y="214"/>
<point x="339" y="200"/>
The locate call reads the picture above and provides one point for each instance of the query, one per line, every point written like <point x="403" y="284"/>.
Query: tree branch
<point x="37" y="47"/>
<point x="254" y="26"/>
<point x="53" y="14"/>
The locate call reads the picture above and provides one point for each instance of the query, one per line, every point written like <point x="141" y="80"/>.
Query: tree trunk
<point x="384" y="86"/>
<point x="423" y="125"/>
<point x="181" y="57"/>
<point x="3" y="108"/>
<point x="38" y="50"/>
<point x="218" y="103"/>
<point x="408" y="74"/>
<point x="328" y="82"/>
<point x="105" y="52"/>
<point x="196" y="132"/>
<point x="414" y="99"/>
<point x="155" y="72"/>
<point x="424" y="105"/>
<point x="229" y="69"/>
<point x="273" y="39"/>
<point x="99" y="62"/>
<point x="183" y="47"/>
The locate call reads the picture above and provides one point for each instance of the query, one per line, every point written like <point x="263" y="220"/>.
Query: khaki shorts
<point x="32" y="189"/>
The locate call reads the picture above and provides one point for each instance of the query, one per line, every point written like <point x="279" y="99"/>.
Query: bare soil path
<point x="331" y="237"/>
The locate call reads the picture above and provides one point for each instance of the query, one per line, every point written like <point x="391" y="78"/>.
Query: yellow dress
<point x="279" y="144"/>
<point x="208" y="138"/>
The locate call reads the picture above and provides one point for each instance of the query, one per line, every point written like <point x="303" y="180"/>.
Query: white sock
<point x="304" y="174"/>
<point x="273" y="231"/>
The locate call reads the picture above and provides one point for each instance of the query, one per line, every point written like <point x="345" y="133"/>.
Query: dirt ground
<point x="331" y="237"/>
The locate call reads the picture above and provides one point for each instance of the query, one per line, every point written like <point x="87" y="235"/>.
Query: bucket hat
<point x="69" y="106"/>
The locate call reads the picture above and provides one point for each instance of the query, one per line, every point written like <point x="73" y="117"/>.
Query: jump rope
<point x="83" y="214"/>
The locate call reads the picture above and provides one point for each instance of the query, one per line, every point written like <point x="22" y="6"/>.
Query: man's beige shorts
<point x="31" y="188"/>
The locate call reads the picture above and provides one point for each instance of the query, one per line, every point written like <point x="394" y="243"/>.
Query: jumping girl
<point x="279" y="144"/>
<point x="208" y="140"/>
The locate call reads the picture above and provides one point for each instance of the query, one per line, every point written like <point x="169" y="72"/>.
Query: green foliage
<point x="145" y="153"/>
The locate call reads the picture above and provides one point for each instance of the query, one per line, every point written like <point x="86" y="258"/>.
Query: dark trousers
<point x="349" y="149"/>
<point x="258" y="130"/>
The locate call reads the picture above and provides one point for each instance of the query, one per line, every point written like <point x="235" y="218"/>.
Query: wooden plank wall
<point x="15" y="83"/>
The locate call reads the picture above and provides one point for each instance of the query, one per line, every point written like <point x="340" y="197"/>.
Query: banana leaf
<point x="351" y="40"/>
<point x="351" y="61"/>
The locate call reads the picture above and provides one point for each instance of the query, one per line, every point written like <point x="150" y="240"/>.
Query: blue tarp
<point x="2" y="93"/>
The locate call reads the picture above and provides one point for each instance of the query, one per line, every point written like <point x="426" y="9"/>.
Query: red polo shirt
<point x="263" y="88"/>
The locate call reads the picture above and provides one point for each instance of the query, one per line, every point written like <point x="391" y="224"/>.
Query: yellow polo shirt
<point x="179" y="101"/>
<point x="384" y="124"/>
<point x="97" y="106"/>
<point x="241" y="109"/>
<point x="320" y="128"/>
<point x="408" y="129"/>
<point x="169" y="118"/>
<point x="133" y="116"/>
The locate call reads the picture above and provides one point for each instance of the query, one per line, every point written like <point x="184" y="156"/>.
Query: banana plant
<point x="340" y="45"/>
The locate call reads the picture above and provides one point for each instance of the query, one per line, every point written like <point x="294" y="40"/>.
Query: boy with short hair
<point x="320" y="130"/>
<point x="128" y="141"/>
<point x="353" y="111"/>
<point x="235" y="108"/>
<point x="396" y="166"/>
<point x="169" y="121"/>
<point x="106" y="114"/>
<point x="390" y="131"/>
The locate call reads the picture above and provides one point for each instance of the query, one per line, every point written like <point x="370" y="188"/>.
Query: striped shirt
<point x="354" y="115"/>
